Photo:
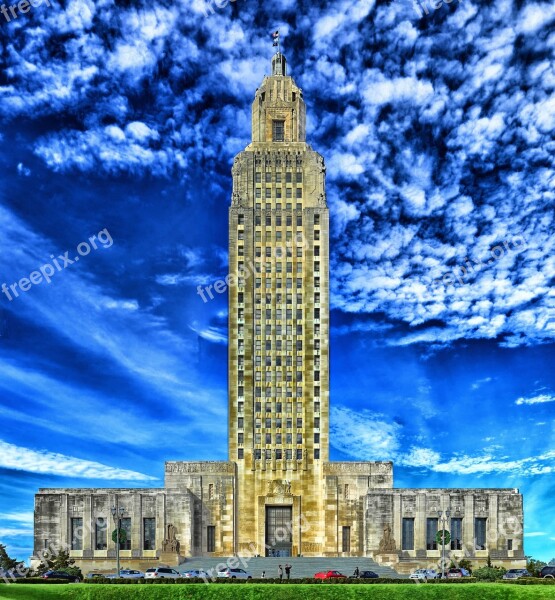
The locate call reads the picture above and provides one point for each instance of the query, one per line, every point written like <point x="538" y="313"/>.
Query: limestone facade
<point x="278" y="494"/>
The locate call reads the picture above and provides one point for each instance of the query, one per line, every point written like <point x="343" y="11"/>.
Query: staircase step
<point x="300" y="567"/>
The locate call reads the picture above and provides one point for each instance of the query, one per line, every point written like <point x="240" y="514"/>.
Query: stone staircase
<point x="301" y="567"/>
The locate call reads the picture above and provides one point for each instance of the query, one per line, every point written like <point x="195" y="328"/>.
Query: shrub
<point x="489" y="573"/>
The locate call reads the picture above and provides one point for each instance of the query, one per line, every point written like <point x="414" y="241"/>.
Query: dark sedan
<point x="366" y="575"/>
<point x="61" y="575"/>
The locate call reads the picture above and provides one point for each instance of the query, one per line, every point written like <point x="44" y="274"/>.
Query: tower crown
<point x="278" y="110"/>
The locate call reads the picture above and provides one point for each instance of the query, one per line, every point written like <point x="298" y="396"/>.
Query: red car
<point x="329" y="575"/>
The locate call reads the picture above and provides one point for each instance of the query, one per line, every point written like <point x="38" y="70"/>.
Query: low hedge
<point x="35" y="580"/>
<point x="529" y="581"/>
<point x="454" y="580"/>
<point x="219" y="580"/>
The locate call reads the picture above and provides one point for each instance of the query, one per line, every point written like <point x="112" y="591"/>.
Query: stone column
<point x="420" y="523"/>
<point x="88" y="524"/>
<point x="468" y="522"/>
<point x="397" y="520"/>
<point x="493" y="523"/>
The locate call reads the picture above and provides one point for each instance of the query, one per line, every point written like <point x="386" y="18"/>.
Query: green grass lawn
<point x="275" y="592"/>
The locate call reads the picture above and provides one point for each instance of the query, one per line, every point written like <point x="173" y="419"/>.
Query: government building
<point x="278" y="494"/>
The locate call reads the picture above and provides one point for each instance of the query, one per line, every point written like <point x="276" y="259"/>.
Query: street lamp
<point x="117" y="519"/>
<point x="442" y="537"/>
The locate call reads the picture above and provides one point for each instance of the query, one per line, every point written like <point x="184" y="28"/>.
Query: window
<point x="316" y="438"/>
<point x="299" y="422"/>
<point x="149" y="533"/>
<point x="278" y="454"/>
<point x="278" y="177"/>
<point x="257" y="454"/>
<point x="278" y="131"/>
<point x="268" y="221"/>
<point x="299" y="438"/>
<point x="240" y="453"/>
<point x="240" y="438"/>
<point x="480" y="533"/>
<point x="316" y="219"/>
<point x="77" y="533"/>
<point x="288" y="192"/>
<point x="431" y="532"/>
<point x="456" y="534"/>
<point x="268" y="438"/>
<point x="126" y="526"/>
<point x="258" y="177"/>
<point x="258" y="193"/>
<point x="268" y="423"/>
<point x="278" y="220"/>
<point x="278" y="439"/>
<point x="316" y="407"/>
<point x="268" y="193"/>
<point x="268" y="178"/>
<point x="317" y="453"/>
<point x="240" y="219"/>
<point x="317" y="235"/>
<point x="100" y="528"/>
<point x="299" y="193"/>
<point x="408" y="534"/>
<point x="299" y="454"/>
<point x="316" y="250"/>
<point x="240" y="422"/>
<point x="316" y="422"/>
<point x="299" y="177"/>
<point x="288" y="177"/>
<point x="289" y="454"/>
<point x="346" y="531"/>
<point x="211" y="538"/>
<point x="509" y="544"/>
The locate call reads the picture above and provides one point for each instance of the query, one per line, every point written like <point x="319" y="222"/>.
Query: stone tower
<point x="279" y="323"/>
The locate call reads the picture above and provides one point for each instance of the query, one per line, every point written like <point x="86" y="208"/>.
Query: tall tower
<point x="279" y="324"/>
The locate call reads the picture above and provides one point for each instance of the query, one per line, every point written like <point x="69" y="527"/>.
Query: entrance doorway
<point x="279" y="528"/>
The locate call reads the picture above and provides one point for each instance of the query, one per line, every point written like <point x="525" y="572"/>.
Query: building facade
<point x="279" y="495"/>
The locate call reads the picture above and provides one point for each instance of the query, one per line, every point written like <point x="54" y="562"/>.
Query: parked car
<point x="368" y="575"/>
<point x="329" y="575"/>
<point x="425" y="574"/>
<point x="516" y="574"/>
<point x="131" y="574"/>
<point x="61" y="575"/>
<point x="196" y="573"/>
<point x="457" y="573"/>
<point x="548" y="572"/>
<point x="95" y="575"/>
<point x="162" y="573"/>
<point x="234" y="573"/>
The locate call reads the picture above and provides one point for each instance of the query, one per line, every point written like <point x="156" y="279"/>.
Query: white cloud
<point x="43" y="461"/>
<point x="541" y="399"/>
<point x="11" y="532"/>
<point x="534" y="534"/>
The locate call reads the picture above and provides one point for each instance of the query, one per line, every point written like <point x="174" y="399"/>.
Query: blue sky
<point x="438" y="135"/>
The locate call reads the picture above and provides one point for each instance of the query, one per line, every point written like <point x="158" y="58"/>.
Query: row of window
<point x="278" y="408"/>
<point x="277" y="194"/>
<point x="289" y="177"/>
<point x="279" y="440"/>
<point x="279" y="454"/>
<point x="100" y="541"/>
<point x="455" y="529"/>
<point x="241" y="216"/>
<point x="270" y="329"/>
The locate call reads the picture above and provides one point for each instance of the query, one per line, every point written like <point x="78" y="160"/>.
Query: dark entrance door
<point x="279" y="528"/>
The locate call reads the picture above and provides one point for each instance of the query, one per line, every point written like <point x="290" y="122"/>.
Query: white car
<point x="425" y="574"/>
<point x="196" y="573"/>
<point x="162" y="573"/>
<point x="234" y="574"/>
<point x="126" y="574"/>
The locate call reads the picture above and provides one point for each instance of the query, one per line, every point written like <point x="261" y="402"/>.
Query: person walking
<point x="356" y="573"/>
<point x="263" y="576"/>
<point x="288" y="571"/>
<point x="280" y="572"/>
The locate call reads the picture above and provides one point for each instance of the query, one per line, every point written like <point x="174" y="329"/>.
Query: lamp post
<point x="443" y="520"/>
<point x="117" y="514"/>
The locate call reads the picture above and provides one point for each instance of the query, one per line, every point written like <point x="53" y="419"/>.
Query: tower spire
<point x="278" y="60"/>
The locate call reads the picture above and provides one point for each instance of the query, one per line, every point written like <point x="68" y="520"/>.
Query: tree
<point x="534" y="566"/>
<point x="489" y="573"/>
<point x="7" y="563"/>
<point x="58" y="562"/>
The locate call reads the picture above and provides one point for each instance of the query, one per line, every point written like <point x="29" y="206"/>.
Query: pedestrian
<point x="263" y="576"/>
<point x="280" y="572"/>
<point x="288" y="571"/>
<point x="356" y="573"/>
